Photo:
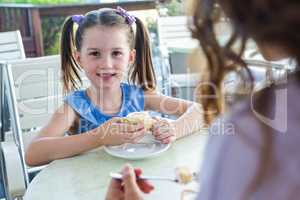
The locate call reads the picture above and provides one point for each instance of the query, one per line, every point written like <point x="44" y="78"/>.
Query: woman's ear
<point x="132" y="55"/>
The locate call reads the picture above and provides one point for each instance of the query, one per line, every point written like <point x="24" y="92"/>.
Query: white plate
<point x="146" y="148"/>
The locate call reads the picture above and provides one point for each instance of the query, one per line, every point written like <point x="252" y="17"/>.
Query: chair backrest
<point x="11" y="46"/>
<point x="36" y="93"/>
<point x="173" y="32"/>
<point x="175" y="38"/>
<point x="38" y="89"/>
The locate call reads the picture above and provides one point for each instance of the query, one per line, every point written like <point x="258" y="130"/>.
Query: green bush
<point x="51" y="28"/>
<point x="175" y="8"/>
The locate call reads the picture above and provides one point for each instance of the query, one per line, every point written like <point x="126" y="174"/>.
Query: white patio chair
<point x="34" y="91"/>
<point x="14" y="179"/>
<point x="175" y="43"/>
<point x="11" y="46"/>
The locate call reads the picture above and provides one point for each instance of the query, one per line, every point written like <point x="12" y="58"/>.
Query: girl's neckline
<point x="99" y="109"/>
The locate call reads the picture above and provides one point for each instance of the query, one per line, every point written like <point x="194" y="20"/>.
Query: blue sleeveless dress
<point x="90" y="115"/>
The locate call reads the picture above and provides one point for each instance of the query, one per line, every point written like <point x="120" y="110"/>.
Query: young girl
<point x="105" y="43"/>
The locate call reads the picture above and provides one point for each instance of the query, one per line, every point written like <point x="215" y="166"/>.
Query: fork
<point x="119" y="176"/>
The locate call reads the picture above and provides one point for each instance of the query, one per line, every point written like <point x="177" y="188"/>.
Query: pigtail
<point x="69" y="67"/>
<point x="142" y="72"/>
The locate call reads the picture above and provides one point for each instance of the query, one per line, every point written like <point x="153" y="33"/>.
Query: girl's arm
<point x="52" y="144"/>
<point x="190" y="114"/>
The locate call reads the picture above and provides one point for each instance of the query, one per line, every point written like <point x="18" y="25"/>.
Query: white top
<point x="232" y="154"/>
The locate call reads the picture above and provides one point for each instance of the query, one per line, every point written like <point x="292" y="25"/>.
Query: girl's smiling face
<point x="104" y="56"/>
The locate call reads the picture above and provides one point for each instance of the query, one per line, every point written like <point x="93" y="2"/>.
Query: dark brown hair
<point x="140" y="73"/>
<point x="266" y="21"/>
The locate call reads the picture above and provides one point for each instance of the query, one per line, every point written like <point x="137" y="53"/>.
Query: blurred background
<point x="39" y="21"/>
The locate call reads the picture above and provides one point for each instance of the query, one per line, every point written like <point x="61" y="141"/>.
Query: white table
<point x="86" y="177"/>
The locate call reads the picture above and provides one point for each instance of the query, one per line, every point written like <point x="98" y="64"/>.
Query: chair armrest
<point x="14" y="179"/>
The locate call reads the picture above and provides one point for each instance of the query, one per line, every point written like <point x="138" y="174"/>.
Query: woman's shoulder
<point x="226" y="124"/>
<point x="226" y="155"/>
<point x="275" y="107"/>
<point x="231" y="149"/>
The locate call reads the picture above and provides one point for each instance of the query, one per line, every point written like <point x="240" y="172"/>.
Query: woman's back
<point x="233" y="155"/>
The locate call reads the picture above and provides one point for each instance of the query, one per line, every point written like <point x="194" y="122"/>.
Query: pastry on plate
<point x="137" y="117"/>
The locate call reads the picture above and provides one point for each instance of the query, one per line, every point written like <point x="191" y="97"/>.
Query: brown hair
<point x="265" y="21"/>
<point x="141" y="72"/>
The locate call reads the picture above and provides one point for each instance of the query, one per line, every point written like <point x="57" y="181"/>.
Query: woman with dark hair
<point x="260" y="160"/>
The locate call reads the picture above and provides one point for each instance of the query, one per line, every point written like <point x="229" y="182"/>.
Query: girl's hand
<point x="116" y="132"/>
<point x="163" y="130"/>
<point x="129" y="188"/>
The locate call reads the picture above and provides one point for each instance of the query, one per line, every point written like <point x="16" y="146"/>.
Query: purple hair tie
<point x="130" y="19"/>
<point x="77" y="18"/>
